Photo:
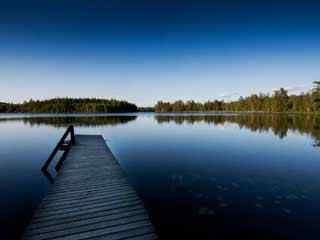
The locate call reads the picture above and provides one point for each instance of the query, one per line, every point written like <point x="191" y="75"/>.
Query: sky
<point x="145" y="51"/>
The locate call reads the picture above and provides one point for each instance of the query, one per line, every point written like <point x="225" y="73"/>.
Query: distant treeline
<point x="279" y="101"/>
<point x="70" y="105"/>
<point x="145" y="109"/>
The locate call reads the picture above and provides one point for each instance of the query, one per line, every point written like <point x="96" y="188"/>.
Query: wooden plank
<point x="91" y="198"/>
<point x="110" y="213"/>
<point x="86" y="221"/>
<point x="92" y="226"/>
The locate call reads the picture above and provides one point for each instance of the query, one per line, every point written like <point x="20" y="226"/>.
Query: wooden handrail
<point x="62" y="145"/>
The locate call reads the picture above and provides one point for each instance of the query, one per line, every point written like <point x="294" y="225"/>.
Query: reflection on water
<point x="82" y="121"/>
<point x="202" y="176"/>
<point x="278" y="124"/>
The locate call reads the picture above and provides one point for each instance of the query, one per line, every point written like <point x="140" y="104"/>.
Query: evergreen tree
<point x="316" y="96"/>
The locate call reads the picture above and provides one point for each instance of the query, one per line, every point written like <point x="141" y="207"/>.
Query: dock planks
<point x="90" y="199"/>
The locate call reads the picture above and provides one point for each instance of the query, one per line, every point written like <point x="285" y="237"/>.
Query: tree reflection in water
<point x="278" y="124"/>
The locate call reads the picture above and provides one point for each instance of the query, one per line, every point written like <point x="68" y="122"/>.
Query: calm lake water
<point x="201" y="176"/>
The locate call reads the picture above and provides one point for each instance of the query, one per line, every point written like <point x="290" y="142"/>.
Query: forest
<point x="279" y="101"/>
<point x="70" y="105"/>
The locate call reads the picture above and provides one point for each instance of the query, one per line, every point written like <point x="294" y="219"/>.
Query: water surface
<point x="200" y="175"/>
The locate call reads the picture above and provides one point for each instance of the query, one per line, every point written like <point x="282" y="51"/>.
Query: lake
<point x="201" y="176"/>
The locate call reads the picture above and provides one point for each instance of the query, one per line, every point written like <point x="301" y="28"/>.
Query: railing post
<point x="60" y="145"/>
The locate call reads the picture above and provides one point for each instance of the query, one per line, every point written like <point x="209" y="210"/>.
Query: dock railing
<point x="63" y="145"/>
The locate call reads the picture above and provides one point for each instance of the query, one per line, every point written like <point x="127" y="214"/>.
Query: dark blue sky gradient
<point x="147" y="50"/>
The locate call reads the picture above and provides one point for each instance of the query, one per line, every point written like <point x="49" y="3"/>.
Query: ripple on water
<point x="206" y="211"/>
<point x="235" y="185"/>
<point x="287" y="211"/>
<point x="223" y="205"/>
<point x="258" y="205"/>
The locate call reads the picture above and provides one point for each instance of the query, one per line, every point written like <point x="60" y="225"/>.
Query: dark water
<point x="201" y="176"/>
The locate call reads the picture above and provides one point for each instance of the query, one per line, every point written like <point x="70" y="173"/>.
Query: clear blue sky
<point x="144" y="51"/>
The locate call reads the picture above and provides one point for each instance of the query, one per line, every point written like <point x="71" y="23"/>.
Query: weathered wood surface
<point x="90" y="199"/>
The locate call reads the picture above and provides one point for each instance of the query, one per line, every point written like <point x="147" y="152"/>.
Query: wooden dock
<point x="90" y="199"/>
